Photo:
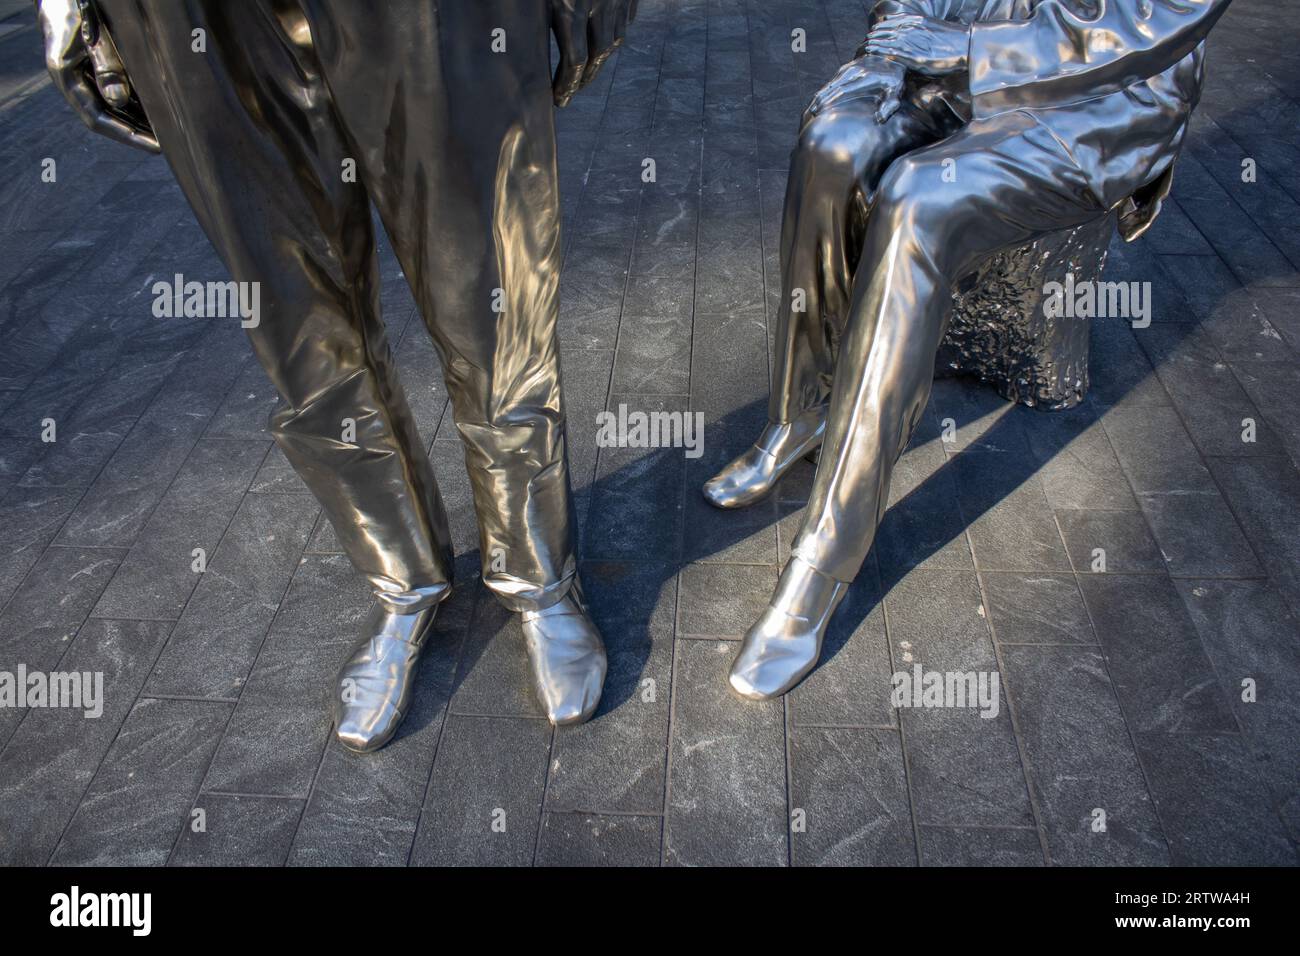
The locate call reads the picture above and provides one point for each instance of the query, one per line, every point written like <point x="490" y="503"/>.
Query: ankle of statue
<point x="795" y="437"/>
<point x="566" y="599"/>
<point x="810" y="565"/>
<point x="413" y="600"/>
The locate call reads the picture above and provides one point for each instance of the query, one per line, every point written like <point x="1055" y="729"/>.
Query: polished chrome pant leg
<point x="835" y="169"/>
<point x="938" y="212"/>
<point x="836" y="166"/>
<point x="258" y="149"/>
<point x="461" y="164"/>
<point x="457" y="145"/>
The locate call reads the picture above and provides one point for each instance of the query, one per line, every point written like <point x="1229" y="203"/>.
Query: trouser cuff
<point x="413" y="600"/>
<point x="520" y="595"/>
<point x="828" y="558"/>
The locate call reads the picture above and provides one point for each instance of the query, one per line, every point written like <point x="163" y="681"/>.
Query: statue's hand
<point x="866" y="78"/>
<point x="922" y="44"/>
<point x="85" y="66"/>
<point x="587" y="32"/>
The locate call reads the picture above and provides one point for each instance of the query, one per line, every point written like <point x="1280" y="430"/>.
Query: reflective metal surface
<point x="261" y="107"/>
<point x="375" y="683"/>
<point x="568" y="658"/>
<point x="1008" y="120"/>
<point x="754" y="474"/>
<point x="86" y="68"/>
<point x="785" y="642"/>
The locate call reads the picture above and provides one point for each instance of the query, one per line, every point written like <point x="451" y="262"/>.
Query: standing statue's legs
<point x="259" y="151"/>
<point x="840" y="157"/>
<point x="456" y="143"/>
<point x="939" y="211"/>
<point x="296" y="115"/>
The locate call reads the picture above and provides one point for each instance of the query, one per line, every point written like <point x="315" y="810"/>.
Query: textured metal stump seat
<point x="1000" y="333"/>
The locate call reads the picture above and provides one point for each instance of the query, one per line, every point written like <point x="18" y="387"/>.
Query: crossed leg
<point x="938" y="211"/>
<point x="842" y="153"/>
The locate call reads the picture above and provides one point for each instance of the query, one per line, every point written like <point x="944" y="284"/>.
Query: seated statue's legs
<point x="840" y="157"/>
<point x="939" y="211"/>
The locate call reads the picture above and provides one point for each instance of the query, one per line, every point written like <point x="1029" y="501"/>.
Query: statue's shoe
<point x="374" y="684"/>
<point x="753" y="475"/>
<point x="785" y="642"/>
<point x="568" y="658"/>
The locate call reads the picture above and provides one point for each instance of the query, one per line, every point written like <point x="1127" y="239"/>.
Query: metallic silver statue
<point x="444" y="110"/>
<point x="964" y="128"/>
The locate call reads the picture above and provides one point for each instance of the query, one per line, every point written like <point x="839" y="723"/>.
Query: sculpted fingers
<point x="86" y="69"/>
<point x="106" y="64"/>
<point x="626" y="11"/>
<point x="569" y="24"/>
<point x="602" y="38"/>
<point x="85" y="100"/>
<point x="889" y="105"/>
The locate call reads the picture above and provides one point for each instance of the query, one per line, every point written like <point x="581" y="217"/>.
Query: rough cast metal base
<point x="1000" y="334"/>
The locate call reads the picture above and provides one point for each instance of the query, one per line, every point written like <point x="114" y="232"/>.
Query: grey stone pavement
<point x="1121" y="692"/>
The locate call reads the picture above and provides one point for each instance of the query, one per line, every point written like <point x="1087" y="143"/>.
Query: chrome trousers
<point x="262" y="107"/>
<point x="880" y="220"/>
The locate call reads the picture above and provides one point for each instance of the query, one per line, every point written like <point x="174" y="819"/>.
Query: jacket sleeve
<point x="962" y="11"/>
<point x="1058" y="56"/>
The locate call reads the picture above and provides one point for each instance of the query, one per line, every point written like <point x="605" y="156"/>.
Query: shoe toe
<point x="571" y="697"/>
<point x="357" y="740"/>
<point x="568" y="662"/>
<point x="742" y="683"/>
<point x="576" y="710"/>
<point x="365" y="729"/>
<point x="770" y="664"/>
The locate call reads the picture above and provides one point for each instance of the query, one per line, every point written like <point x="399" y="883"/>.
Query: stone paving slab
<point x="1128" y="570"/>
